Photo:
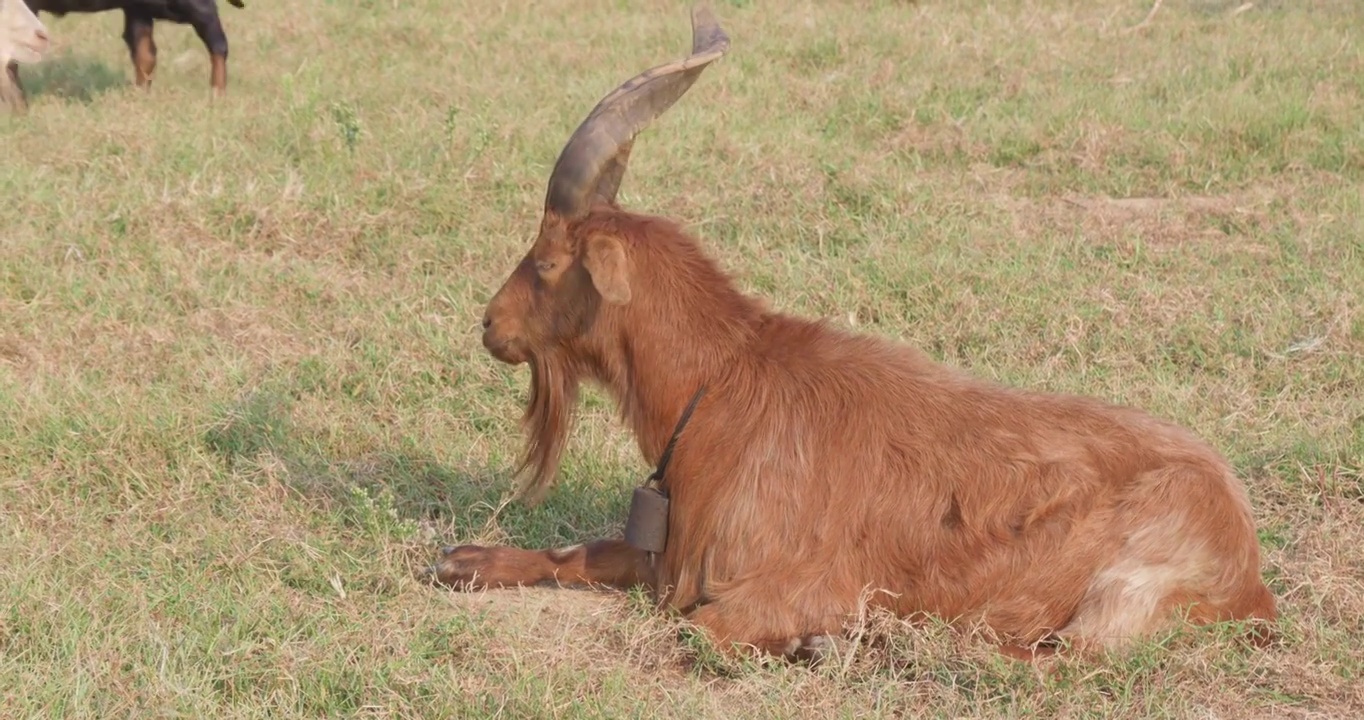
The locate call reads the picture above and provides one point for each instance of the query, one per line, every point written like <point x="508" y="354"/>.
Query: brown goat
<point x="823" y="468"/>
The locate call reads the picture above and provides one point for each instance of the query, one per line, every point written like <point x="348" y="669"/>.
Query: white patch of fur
<point x="1123" y="598"/>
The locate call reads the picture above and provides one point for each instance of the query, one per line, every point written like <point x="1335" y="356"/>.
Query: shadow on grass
<point x="420" y="487"/>
<point x="70" y="76"/>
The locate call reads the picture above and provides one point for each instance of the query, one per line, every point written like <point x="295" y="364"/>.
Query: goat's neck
<point x="672" y="339"/>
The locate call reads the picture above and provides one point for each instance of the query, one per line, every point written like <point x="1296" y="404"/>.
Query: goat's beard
<point x="554" y="384"/>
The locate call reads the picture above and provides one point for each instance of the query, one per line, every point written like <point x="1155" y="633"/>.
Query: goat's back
<point x="174" y="10"/>
<point x="858" y="461"/>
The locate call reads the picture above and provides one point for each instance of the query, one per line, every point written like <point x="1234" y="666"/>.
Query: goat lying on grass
<point x="23" y="39"/>
<point x="139" y="16"/>
<point x="823" y="466"/>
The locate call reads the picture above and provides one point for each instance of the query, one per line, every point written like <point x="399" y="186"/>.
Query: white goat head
<point x="23" y="37"/>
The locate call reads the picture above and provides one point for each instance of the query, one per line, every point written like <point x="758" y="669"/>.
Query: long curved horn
<point x="594" y="159"/>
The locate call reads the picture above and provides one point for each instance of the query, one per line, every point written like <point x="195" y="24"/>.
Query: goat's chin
<point x="25" y="55"/>
<point x="554" y="384"/>
<point x="508" y="355"/>
<point x="508" y="352"/>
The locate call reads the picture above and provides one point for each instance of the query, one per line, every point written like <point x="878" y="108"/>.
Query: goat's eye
<point x="544" y="266"/>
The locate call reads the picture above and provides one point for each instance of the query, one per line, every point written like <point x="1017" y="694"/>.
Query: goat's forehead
<point x="549" y="244"/>
<point x="17" y="10"/>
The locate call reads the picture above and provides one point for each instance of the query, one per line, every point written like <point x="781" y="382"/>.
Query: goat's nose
<point x="41" y="35"/>
<point x="487" y="321"/>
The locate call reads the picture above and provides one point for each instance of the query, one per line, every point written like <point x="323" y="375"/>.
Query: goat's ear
<point x="606" y="263"/>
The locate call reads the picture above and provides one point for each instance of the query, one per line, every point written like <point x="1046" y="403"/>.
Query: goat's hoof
<point x="463" y="567"/>
<point x="814" y="649"/>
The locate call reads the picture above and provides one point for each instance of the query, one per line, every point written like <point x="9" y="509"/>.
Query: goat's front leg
<point x="137" y="34"/>
<point x="209" y="28"/>
<point x="600" y="562"/>
<point x="12" y="91"/>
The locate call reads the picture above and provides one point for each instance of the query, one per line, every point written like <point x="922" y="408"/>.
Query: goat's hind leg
<point x="209" y="27"/>
<point x="1192" y="554"/>
<point x="601" y="562"/>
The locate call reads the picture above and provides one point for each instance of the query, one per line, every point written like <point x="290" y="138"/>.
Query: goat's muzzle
<point x="507" y="350"/>
<point x="34" y="48"/>
<point x="40" y="42"/>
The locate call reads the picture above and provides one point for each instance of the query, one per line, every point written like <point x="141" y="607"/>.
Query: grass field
<point x="242" y="395"/>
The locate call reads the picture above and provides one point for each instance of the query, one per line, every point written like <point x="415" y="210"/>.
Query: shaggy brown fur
<point x="824" y="468"/>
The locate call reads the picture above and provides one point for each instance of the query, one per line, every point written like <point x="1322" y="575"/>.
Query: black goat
<point x="138" y="17"/>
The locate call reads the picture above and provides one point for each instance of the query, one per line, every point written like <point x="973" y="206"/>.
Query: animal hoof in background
<point x="462" y="568"/>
